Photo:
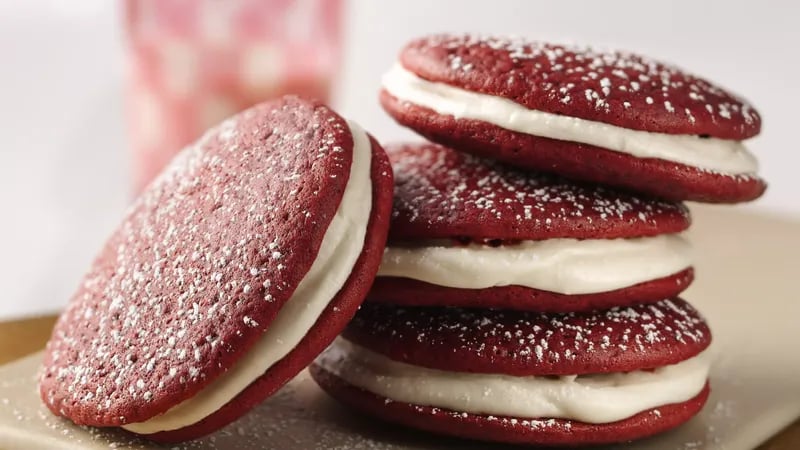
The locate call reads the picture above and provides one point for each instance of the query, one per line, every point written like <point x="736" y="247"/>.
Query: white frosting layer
<point x="599" y="398"/>
<point x="565" y="266"/>
<point x="338" y="253"/>
<point x="713" y="154"/>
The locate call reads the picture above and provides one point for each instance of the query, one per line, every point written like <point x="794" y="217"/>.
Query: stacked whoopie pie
<point x="520" y="299"/>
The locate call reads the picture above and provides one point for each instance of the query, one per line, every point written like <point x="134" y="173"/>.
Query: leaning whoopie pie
<point x="606" y="117"/>
<point x="472" y="232"/>
<point x="228" y="276"/>
<point x="523" y="377"/>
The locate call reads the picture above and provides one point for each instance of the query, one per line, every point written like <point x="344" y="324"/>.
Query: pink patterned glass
<point x="195" y="62"/>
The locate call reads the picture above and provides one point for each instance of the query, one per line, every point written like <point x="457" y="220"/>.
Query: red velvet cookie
<point x="474" y="233"/>
<point x="404" y="291"/>
<point x="196" y="292"/>
<point x="523" y="343"/>
<point x="606" y="117"/>
<point x="545" y="379"/>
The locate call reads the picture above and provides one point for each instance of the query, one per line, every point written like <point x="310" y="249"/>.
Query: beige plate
<point x="746" y="269"/>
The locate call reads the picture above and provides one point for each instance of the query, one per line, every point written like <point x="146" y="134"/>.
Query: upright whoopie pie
<point x="472" y="232"/>
<point x="232" y="271"/>
<point x="601" y="116"/>
<point x="524" y="377"/>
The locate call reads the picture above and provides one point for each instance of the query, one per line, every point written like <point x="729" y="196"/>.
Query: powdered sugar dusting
<point x="526" y="343"/>
<point x="443" y="193"/>
<point x="200" y="264"/>
<point x="597" y="83"/>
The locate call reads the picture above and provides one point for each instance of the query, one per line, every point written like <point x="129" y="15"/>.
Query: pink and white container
<point x="195" y="62"/>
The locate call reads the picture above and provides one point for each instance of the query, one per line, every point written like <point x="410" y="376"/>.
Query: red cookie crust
<point x="338" y="313"/>
<point x="409" y="292"/>
<point x="442" y="193"/>
<point x="523" y="343"/>
<point x="614" y="87"/>
<point x="202" y="263"/>
<point x="547" y="432"/>
<point x="650" y="176"/>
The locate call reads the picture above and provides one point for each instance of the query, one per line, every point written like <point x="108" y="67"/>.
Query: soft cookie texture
<point x="442" y="193"/>
<point x="537" y="71"/>
<point x="445" y="196"/>
<point x="201" y="265"/>
<point x="523" y="344"/>
<point x="615" y="88"/>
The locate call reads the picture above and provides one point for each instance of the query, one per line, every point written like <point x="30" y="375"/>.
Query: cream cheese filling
<point x="565" y="266"/>
<point x="711" y="154"/>
<point x="596" y="398"/>
<point x="341" y="246"/>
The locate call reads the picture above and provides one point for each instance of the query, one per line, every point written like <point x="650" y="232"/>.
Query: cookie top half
<point x="523" y="343"/>
<point x="442" y="193"/>
<point x="614" y="87"/>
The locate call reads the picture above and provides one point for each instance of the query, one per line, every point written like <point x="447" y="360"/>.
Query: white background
<point x="64" y="161"/>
